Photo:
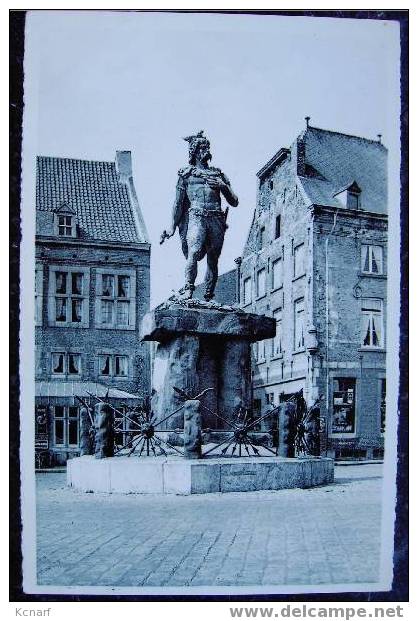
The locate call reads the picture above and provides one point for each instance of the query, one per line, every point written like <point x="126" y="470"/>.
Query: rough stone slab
<point x="240" y="477"/>
<point x="206" y="478"/>
<point x="165" y="323"/>
<point x="174" y="475"/>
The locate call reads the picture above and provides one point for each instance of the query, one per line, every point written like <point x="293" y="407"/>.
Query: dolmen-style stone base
<point x="172" y="475"/>
<point x="203" y="347"/>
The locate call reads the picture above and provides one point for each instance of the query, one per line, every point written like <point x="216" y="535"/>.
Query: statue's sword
<point x="226" y="216"/>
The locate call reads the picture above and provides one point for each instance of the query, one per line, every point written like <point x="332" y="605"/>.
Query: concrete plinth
<point x="173" y="475"/>
<point x="203" y="347"/>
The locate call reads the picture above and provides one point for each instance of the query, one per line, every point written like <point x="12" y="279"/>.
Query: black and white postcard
<point x="210" y="303"/>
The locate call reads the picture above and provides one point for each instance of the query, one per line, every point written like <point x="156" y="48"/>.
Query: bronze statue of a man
<point x="198" y="215"/>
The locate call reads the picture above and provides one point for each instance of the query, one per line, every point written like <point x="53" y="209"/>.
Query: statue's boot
<point x="186" y="292"/>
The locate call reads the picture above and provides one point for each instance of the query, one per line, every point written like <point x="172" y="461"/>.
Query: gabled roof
<point x="341" y="158"/>
<point x="274" y="161"/>
<point x="92" y="189"/>
<point x="64" y="207"/>
<point x="353" y="186"/>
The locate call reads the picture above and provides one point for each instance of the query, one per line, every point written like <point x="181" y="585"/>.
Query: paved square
<point x="317" y="536"/>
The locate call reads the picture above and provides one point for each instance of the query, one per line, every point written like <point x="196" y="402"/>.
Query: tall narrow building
<point x="316" y="260"/>
<point x="92" y="288"/>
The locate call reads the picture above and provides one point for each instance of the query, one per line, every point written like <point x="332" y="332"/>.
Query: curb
<point x="358" y="463"/>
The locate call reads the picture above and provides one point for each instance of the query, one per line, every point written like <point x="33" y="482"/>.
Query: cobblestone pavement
<point x="316" y="536"/>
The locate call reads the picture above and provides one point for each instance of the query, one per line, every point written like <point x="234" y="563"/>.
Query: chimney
<point x="123" y="165"/>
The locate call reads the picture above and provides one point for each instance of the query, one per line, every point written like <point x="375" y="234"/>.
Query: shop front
<point x="57" y="416"/>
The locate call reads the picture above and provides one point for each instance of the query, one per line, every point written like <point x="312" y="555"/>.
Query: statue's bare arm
<point x="178" y="207"/>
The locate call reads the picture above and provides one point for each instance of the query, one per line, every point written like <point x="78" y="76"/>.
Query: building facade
<point x="92" y="288"/>
<point x="316" y="260"/>
<point x="226" y="290"/>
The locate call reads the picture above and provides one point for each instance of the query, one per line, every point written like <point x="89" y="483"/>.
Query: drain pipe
<point x="238" y="262"/>
<point x="327" y="321"/>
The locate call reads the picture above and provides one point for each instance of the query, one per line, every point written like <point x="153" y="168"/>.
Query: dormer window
<point x="65" y="219"/>
<point x="65" y="226"/>
<point x="353" y="200"/>
<point x="349" y="196"/>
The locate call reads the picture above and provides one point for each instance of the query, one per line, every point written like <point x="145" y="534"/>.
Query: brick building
<point x="226" y="290"/>
<point x="92" y="288"/>
<point x="316" y="260"/>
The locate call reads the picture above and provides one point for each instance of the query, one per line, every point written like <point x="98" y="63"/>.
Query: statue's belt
<point x="198" y="211"/>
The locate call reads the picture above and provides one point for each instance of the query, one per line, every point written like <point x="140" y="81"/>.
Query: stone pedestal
<point x="203" y="346"/>
<point x="175" y="475"/>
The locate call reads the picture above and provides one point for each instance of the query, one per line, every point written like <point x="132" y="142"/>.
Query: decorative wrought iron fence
<point x="137" y="431"/>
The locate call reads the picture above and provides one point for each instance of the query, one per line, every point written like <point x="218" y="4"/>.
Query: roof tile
<point x="341" y="159"/>
<point x="101" y="202"/>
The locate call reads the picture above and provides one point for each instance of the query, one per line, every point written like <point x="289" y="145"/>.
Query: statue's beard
<point x="201" y="157"/>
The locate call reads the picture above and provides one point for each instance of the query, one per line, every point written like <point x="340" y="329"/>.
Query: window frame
<point x="69" y="296"/>
<point x="257" y="288"/>
<point x="370" y="248"/>
<point x="296" y="250"/>
<point x="112" y="365"/>
<point x="279" y="322"/>
<point x="39" y="293"/>
<point x="299" y="302"/>
<point x="65" y="418"/>
<point x="270" y="398"/>
<point x="115" y="299"/>
<point x="337" y="378"/>
<point x="353" y="200"/>
<point x="274" y="286"/>
<point x="260" y="351"/>
<point x="55" y="419"/>
<point x="66" y="364"/>
<point x="372" y="313"/>
<point x="248" y="280"/>
<point x="278" y="220"/>
<point x="72" y="226"/>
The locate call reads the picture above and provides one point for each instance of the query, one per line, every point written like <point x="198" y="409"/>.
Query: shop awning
<point x="79" y="389"/>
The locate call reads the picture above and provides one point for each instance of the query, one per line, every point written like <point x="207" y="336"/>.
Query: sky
<point x="101" y="81"/>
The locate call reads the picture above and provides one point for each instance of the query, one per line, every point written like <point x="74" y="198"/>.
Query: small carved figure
<point x="86" y="432"/>
<point x="198" y="215"/>
<point x="103" y="422"/>
<point x="287" y="431"/>
<point x="192" y="430"/>
<point x="311" y="436"/>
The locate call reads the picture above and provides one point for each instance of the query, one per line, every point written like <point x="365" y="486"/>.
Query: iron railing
<point x="137" y="430"/>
